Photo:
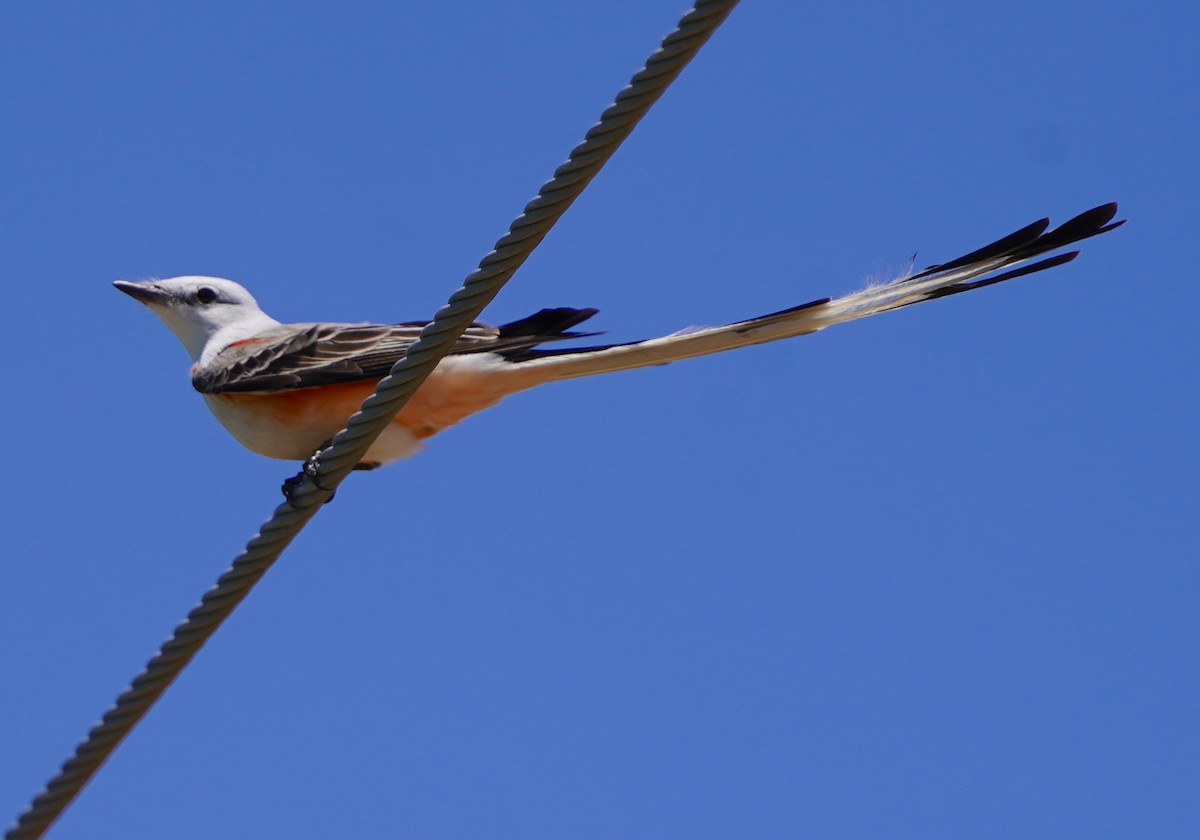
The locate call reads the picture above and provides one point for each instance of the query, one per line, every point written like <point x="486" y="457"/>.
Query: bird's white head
<point x="205" y="313"/>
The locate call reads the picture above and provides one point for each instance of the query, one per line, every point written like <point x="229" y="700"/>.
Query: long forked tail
<point x="1003" y="260"/>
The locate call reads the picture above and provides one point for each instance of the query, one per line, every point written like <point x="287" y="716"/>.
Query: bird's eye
<point x="206" y="294"/>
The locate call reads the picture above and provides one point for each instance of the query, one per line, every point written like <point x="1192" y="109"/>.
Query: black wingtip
<point x="547" y="322"/>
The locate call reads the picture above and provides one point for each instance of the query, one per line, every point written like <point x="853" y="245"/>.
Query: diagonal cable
<point x="350" y="444"/>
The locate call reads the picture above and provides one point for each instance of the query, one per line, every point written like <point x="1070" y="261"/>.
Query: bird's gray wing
<point x="307" y="355"/>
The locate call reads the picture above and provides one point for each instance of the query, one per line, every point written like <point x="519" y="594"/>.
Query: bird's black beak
<point x="147" y="293"/>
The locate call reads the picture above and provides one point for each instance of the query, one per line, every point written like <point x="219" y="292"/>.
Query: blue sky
<point x="929" y="575"/>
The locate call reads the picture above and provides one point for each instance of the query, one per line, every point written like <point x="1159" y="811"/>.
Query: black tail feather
<point x="1028" y="242"/>
<point x="1022" y="238"/>
<point x="1088" y="224"/>
<point x="518" y="340"/>
<point x="1051" y="262"/>
<point x="1034" y="239"/>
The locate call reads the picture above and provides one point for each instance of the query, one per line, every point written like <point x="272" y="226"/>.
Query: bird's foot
<point x="309" y="471"/>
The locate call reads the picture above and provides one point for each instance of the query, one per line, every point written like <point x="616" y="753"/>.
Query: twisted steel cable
<point x="350" y="444"/>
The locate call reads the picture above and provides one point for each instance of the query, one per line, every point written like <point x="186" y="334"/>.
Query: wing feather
<point x="308" y="355"/>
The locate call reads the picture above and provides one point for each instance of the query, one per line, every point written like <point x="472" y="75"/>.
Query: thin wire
<point x="350" y="444"/>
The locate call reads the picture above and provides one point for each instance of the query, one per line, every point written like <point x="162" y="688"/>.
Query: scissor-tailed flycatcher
<point x="283" y="390"/>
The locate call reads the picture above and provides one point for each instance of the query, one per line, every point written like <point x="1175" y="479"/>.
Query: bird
<point x="284" y="390"/>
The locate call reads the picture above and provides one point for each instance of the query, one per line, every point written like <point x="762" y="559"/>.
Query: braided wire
<point x="350" y="444"/>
